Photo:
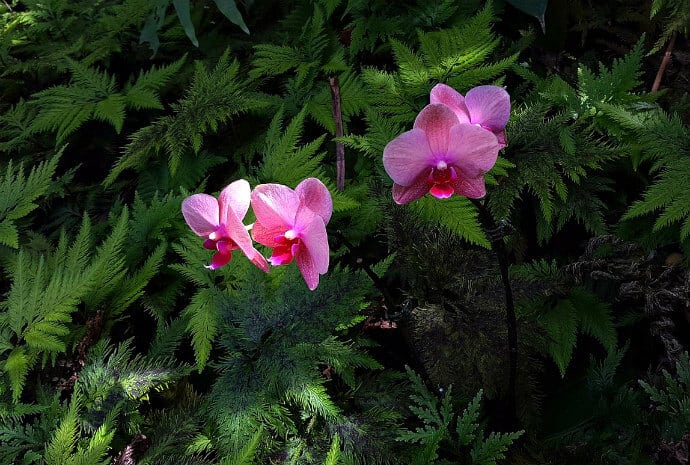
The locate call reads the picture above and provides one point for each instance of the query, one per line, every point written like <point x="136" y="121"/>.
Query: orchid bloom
<point x="440" y="155"/>
<point x="293" y="224"/>
<point x="220" y="222"/>
<point x="484" y="106"/>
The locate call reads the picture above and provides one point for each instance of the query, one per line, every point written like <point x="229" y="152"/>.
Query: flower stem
<point x="378" y="283"/>
<point x="338" y="117"/>
<point x="664" y="63"/>
<point x="511" y="321"/>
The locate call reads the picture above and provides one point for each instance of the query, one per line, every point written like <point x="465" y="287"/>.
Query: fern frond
<point x="457" y="214"/>
<point x="202" y="315"/>
<point x="18" y="193"/>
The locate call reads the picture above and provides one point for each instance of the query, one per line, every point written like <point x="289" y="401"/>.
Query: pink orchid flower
<point x="220" y="222"/>
<point x="293" y="224"/>
<point x="484" y="106"/>
<point x="440" y="156"/>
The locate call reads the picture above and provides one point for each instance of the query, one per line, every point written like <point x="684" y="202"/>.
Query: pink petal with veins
<point x="406" y="156"/>
<point x="450" y="97"/>
<point x="471" y="188"/>
<point x="314" y="240"/>
<point x="266" y="236"/>
<point x="234" y="198"/>
<point x="315" y="196"/>
<point x="200" y="211"/>
<point x="275" y="206"/>
<point x="473" y="150"/>
<point x="406" y="194"/>
<point x="501" y="137"/>
<point x="436" y="120"/>
<point x="489" y="106"/>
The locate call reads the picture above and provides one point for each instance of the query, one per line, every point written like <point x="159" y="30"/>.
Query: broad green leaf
<point x="229" y="9"/>
<point x="182" y="9"/>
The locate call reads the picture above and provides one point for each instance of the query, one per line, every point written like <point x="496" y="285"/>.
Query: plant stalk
<point x="664" y="63"/>
<point x="511" y="321"/>
<point x="338" y="117"/>
<point x="378" y="283"/>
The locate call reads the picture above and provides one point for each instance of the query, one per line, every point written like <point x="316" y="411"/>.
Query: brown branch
<point x="664" y="63"/>
<point x="338" y="117"/>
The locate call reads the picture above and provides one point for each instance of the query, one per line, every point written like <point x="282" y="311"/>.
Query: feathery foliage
<point x="665" y="142"/>
<point x="437" y="420"/>
<point x="560" y="144"/>
<point x="212" y="99"/>
<point x="18" y="194"/>
<point x="672" y="399"/>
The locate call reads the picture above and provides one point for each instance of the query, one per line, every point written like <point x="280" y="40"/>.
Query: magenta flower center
<point x="441" y="180"/>
<point x="220" y="240"/>
<point x="286" y="248"/>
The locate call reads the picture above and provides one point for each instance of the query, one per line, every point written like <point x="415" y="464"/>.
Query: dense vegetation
<point x="118" y="345"/>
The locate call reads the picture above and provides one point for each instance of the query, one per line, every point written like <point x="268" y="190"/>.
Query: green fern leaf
<point x="594" y="318"/>
<point x="493" y="448"/>
<point x="17" y="367"/>
<point x="560" y="323"/>
<point x="456" y="213"/>
<point x="468" y="425"/>
<point x="202" y="314"/>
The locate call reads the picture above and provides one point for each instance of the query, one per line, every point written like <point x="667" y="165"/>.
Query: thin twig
<point x="380" y="285"/>
<point x="664" y="63"/>
<point x="338" y="117"/>
<point x="9" y="7"/>
<point x="511" y="321"/>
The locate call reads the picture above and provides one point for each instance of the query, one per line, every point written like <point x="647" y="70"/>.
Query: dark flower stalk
<point x="495" y="234"/>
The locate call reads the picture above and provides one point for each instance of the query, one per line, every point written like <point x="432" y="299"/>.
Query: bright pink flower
<point x="441" y="156"/>
<point x="485" y="106"/>
<point x="293" y="224"/>
<point x="220" y="222"/>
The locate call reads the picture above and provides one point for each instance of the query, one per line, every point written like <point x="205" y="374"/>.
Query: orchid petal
<point x="473" y="188"/>
<point x="473" y="150"/>
<point x="315" y="196"/>
<point x="235" y="229"/>
<point x="234" y="199"/>
<point x="442" y="191"/>
<point x="436" y="120"/>
<point x="314" y="239"/>
<point x="450" y="97"/>
<point x="275" y="206"/>
<point x="260" y="261"/>
<point x="282" y="255"/>
<point x="489" y="106"/>
<point x="266" y="236"/>
<point x="501" y="137"/>
<point x="406" y="194"/>
<point x="219" y="259"/>
<point x="200" y="211"/>
<point x="406" y="156"/>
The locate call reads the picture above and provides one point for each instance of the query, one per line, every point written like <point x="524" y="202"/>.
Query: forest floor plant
<point x="431" y="217"/>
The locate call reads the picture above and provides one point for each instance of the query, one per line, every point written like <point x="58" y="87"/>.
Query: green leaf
<point x="9" y="234"/>
<point x="182" y="9"/>
<point x="456" y="213"/>
<point x="149" y="33"/>
<point x="560" y="324"/>
<point x="16" y="367"/>
<point x="229" y="9"/>
<point x="203" y="315"/>
<point x="333" y="457"/>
